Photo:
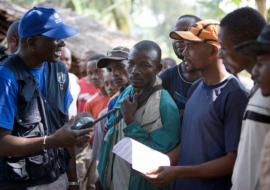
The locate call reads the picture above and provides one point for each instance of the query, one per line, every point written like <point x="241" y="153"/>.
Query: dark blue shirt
<point x="211" y="128"/>
<point x="174" y="82"/>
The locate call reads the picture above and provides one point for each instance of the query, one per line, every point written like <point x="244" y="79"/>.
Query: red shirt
<point x="96" y="104"/>
<point x="87" y="91"/>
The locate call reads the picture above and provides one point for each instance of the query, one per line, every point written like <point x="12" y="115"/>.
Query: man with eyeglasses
<point x="34" y="99"/>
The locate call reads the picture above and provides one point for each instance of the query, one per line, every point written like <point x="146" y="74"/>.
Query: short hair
<point x="81" y="115"/>
<point x="244" y="24"/>
<point x="96" y="57"/>
<point x="68" y="50"/>
<point x="170" y="59"/>
<point x="197" y="19"/>
<point x="148" y="45"/>
<point x="13" y="30"/>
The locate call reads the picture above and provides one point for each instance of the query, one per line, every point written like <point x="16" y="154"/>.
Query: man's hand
<point x="161" y="177"/>
<point x="129" y="107"/>
<point x="65" y="137"/>
<point x="98" y="185"/>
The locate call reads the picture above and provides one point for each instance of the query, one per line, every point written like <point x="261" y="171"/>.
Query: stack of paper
<point x="141" y="157"/>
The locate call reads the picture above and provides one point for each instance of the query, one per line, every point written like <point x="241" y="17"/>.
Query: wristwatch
<point x="74" y="182"/>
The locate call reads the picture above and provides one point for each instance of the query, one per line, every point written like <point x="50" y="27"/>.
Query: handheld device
<point x="87" y="122"/>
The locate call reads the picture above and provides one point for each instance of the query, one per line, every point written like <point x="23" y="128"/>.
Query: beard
<point x="179" y="55"/>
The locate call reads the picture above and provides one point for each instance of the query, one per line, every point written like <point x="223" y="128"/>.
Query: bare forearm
<point x="19" y="146"/>
<point x="173" y="155"/>
<point x="71" y="173"/>
<point x="218" y="168"/>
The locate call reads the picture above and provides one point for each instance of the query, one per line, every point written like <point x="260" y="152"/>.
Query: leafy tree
<point x="123" y="14"/>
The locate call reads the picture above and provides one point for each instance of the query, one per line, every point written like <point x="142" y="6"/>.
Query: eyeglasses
<point x="56" y="40"/>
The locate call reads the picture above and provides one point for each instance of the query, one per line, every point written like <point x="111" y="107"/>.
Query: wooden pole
<point x="262" y="7"/>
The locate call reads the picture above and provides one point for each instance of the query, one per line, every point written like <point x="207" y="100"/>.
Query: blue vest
<point x="32" y="108"/>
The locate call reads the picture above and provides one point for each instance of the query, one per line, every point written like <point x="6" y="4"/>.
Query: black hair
<point x="148" y="45"/>
<point x="13" y="30"/>
<point x="96" y="57"/>
<point x="197" y="19"/>
<point x="170" y="59"/>
<point x="81" y="115"/>
<point x="244" y="24"/>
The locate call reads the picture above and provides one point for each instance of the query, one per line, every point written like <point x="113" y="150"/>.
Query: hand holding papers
<point x="141" y="157"/>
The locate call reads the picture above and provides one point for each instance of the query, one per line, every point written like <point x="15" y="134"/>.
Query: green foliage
<point x="211" y="9"/>
<point x="163" y="15"/>
<point x="124" y="15"/>
<point x="236" y="2"/>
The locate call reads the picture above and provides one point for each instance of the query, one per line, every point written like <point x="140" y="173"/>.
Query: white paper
<point x="141" y="157"/>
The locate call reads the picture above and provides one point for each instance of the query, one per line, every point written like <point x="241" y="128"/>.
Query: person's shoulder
<point x="82" y="80"/>
<point x="103" y="112"/>
<point x="165" y="97"/>
<point x="73" y="77"/>
<point x="6" y="73"/>
<point x="194" y="86"/>
<point x="234" y="91"/>
<point x="196" y="83"/>
<point x="259" y="101"/>
<point x="114" y="96"/>
<point x="170" y="72"/>
<point x="113" y="100"/>
<point x="234" y="85"/>
<point x="58" y="64"/>
<point x="93" y="98"/>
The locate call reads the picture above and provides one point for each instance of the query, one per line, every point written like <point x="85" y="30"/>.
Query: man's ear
<point x="158" y="68"/>
<point x="215" y="50"/>
<point x="31" y="43"/>
<point x="14" y="40"/>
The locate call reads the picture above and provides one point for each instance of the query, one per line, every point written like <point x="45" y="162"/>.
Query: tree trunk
<point x="262" y="7"/>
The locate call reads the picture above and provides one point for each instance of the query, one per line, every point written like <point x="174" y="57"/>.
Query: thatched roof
<point x="9" y="12"/>
<point x="93" y="35"/>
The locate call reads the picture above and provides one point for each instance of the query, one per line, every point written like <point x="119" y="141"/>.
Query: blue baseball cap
<point x="44" y="21"/>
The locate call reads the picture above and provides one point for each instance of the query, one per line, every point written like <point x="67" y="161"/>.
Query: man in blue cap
<point x="34" y="98"/>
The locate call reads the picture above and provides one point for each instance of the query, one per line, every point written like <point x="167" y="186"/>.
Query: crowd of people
<point x="214" y="128"/>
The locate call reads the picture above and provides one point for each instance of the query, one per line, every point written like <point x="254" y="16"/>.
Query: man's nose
<point x="254" y="71"/>
<point x="135" y="70"/>
<point x="185" y="52"/>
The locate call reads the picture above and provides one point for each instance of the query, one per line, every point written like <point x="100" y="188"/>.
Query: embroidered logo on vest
<point x="61" y="77"/>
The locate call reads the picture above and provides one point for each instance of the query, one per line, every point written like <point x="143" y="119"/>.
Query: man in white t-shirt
<point x="73" y="82"/>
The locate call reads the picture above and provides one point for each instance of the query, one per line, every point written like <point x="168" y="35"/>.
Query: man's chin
<point x="136" y="86"/>
<point x="180" y="56"/>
